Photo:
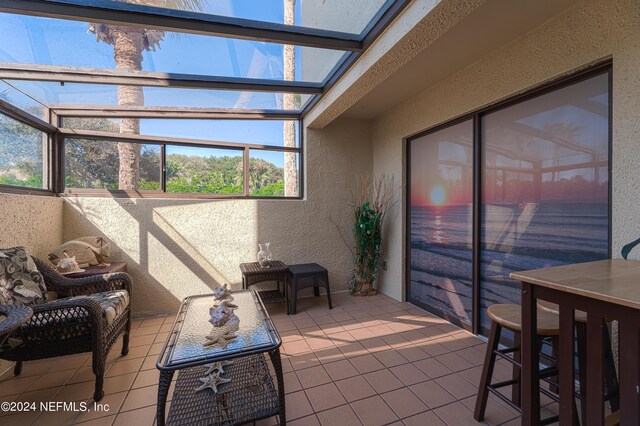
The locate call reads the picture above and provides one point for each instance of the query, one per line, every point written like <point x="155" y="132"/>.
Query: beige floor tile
<point x="42" y="395"/>
<point x="456" y="386"/>
<point x="390" y="358"/>
<point x="139" y="398"/>
<point x="456" y="414"/>
<point x="142" y="416"/>
<point x="366" y="363"/>
<point x="146" y="378"/>
<point x="291" y="382"/>
<point x="404" y="403"/>
<point x="325" y="397"/>
<point x="409" y="374"/>
<point x="432" y="394"/>
<point x="340" y="370"/>
<point x="343" y="416"/>
<point x="427" y="418"/>
<point x="76" y="392"/>
<point x="313" y="376"/>
<point x="355" y="388"/>
<point x="58" y="417"/>
<point x="125" y="366"/>
<point x="102" y="421"/>
<point x="496" y="412"/>
<point x="120" y="383"/>
<point x="111" y="401"/>
<point x="305" y="421"/>
<point x="373" y="411"/>
<point x="298" y="406"/>
<point x="83" y="374"/>
<point x="302" y="361"/>
<point x="52" y="379"/>
<point x="17" y="385"/>
<point x="20" y="419"/>
<point x="412" y="353"/>
<point x="383" y="381"/>
<point x="329" y="355"/>
<point x="432" y="368"/>
<point x="454" y="362"/>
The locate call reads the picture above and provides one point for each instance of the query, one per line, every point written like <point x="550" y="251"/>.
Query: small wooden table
<point x="603" y="289"/>
<point x="253" y="273"/>
<point x="95" y="270"/>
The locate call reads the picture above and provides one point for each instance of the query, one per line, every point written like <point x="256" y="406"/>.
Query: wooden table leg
<point x="595" y="369"/>
<point x="277" y="366"/>
<point x="566" y="365"/>
<point x="530" y="359"/>
<point x="163" y="391"/>
<point x="629" y="376"/>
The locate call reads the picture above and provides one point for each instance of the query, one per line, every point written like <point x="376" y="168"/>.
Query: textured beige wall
<point x="177" y="248"/>
<point x="31" y="221"/>
<point x="586" y="33"/>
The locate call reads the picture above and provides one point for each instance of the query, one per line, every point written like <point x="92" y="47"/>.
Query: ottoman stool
<point x="304" y="276"/>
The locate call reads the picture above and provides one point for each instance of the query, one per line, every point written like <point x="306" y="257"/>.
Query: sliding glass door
<point x="540" y="178"/>
<point x="441" y="191"/>
<point x="545" y="186"/>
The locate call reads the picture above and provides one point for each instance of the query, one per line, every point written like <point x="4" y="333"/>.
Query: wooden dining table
<point x="605" y="290"/>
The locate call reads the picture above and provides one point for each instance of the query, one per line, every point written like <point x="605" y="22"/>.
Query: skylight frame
<point x="129" y="14"/>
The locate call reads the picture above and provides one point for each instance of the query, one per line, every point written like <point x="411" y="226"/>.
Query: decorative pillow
<point x="20" y="281"/>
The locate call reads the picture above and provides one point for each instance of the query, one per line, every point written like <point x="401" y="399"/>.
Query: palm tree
<point x="128" y="44"/>
<point x="289" y="58"/>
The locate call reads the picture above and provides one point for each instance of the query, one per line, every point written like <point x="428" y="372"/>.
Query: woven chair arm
<point x="15" y="316"/>
<point x="82" y="286"/>
<point x="65" y="308"/>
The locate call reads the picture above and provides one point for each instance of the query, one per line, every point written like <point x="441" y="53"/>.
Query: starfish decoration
<point x="211" y="381"/>
<point x="221" y="339"/>
<point x="217" y="366"/>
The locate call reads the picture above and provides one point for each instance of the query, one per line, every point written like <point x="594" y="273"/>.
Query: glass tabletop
<point x="184" y="348"/>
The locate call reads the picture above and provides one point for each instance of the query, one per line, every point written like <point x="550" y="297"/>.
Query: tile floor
<point x="371" y="361"/>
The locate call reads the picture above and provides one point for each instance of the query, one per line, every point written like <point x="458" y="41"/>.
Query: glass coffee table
<point x="250" y="395"/>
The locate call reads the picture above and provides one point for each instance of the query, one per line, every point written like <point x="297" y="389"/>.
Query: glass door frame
<point x="477" y="162"/>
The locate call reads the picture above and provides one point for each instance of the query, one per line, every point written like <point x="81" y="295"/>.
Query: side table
<point x="13" y="317"/>
<point x="250" y="395"/>
<point x="94" y="270"/>
<point x="253" y="273"/>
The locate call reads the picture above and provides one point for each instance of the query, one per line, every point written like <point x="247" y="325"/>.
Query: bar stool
<point x="610" y="375"/>
<point x="509" y="317"/>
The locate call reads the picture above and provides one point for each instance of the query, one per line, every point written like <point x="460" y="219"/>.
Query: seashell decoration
<point x="221" y="293"/>
<point x="223" y="315"/>
<point x="67" y="264"/>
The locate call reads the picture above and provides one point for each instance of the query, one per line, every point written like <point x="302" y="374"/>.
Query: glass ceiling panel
<point x="98" y="94"/>
<point x="347" y="16"/>
<point x="46" y="41"/>
<point x="16" y="98"/>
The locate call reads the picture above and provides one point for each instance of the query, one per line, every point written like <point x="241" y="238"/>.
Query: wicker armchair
<point x="72" y="324"/>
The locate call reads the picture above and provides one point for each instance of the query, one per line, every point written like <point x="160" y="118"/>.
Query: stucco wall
<point x="31" y="221"/>
<point x="586" y="33"/>
<point x="177" y="248"/>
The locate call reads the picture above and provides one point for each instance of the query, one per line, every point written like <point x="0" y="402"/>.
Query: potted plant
<point x="372" y="199"/>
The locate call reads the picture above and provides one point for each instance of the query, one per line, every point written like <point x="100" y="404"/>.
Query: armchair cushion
<point x="113" y="303"/>
<point x="20" y="281"/>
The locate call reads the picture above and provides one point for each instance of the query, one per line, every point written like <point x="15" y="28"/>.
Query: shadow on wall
<point x="176" y="247"/>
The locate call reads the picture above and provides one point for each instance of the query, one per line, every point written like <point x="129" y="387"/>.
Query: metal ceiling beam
<point x="14" y="71"/>
<point x="24" y="117"/>
<point x="135" y="15"/>
<point x="159" y="140"/>
<point x="107" y="111"/>
<point x="378" y="24"/>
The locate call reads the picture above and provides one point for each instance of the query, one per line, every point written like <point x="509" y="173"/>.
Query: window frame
<point x="163" y="142"/>
<point x="47" y="129"/>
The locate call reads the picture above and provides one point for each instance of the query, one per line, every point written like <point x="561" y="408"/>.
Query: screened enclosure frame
<point x="189" y="22"/>
<point x="477" y="162"/>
